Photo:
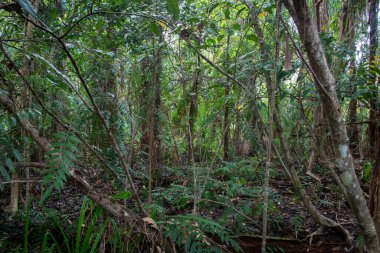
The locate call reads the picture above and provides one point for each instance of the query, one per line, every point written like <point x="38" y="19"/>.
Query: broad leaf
<point x="122" y="195"/>
<point x="173" y="8"/>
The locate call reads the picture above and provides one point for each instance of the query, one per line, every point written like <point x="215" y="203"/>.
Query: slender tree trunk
<point x="271" y="87"/>
<point x="322" y="19"/>
<point x="153" y="120"/>
<point x="347" y="33"/>
<point x="193" y="111"/>
<point x="326" y="87"/>
<point x="27" y="70"/>
<point x="373" y="128"/>
<point x="374" y="119"/>
<point x="322" y="15"/>
<point x="226" y="123"/>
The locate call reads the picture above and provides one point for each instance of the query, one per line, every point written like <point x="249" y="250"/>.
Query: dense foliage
<point x="185" y="123"/>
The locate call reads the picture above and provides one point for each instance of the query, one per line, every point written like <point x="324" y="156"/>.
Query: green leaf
<point x="180" y="238"/>
<point x="20" y="116"/>
<point x="175" y="233"/>
<point x="193" y="247"/>
<point x="67" y="162"/>
<point x="60" y="135"/>
<point x="173" y="8"/>
<point x="64" y="168"/>
<point x="46" y="194"/>
<point x="68" y="154"/>
<point x="188" y="243"/>
<point x="155" y="28"/>
<point x="17" y="155"/>
<point x="236" y="26"/>
<point x="5" y="173"/>
<point x="14" y="121"/>
<point x="122" y="195"/>
<point x="25" y="4"/>
<point x="9" y="164"/>
<point x="252" y="37"/>
<point x="62" y="175"/>
<point x="73" y="138"/>
<point x="227" y="13"/>
<point x="212" y="8"/>
<point x="72" y="147"/>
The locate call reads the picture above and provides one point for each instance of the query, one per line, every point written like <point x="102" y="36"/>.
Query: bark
<point x="347" y="37"/>
<point x="322" y="15"/>
<point x="150" y="104"/>
<point x="24" y="102"/>
<point x="271" y="87"/>
<point x="326" y="87"/>
<point x="193" y="111"/>
<point x="322" y="19"/>
<point x="288" y="56"/>
<point x="227" y="88"/>
<point x="154" y="140"/>
<point x="15" y="188"/>
<point x="320" y="143"/>
<point x="374" y="118"/>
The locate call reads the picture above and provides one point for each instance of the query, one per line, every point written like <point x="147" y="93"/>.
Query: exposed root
<point x="348" y="237"/>
<point x="317" y="232"/>
<point x="311" y="174"/>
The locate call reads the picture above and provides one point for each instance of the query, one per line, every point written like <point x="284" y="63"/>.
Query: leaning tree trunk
<point x="326" y="87"/>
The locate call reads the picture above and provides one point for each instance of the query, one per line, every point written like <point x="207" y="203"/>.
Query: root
<point x="317" y="232"/>
<point x="348" y="237"/>
<point x="311" y="174"/>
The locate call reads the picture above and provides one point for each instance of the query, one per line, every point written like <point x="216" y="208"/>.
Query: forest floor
<point x="288" y="229"/>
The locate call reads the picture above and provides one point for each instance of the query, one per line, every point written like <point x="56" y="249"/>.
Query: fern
<point x="297" y="221"/>
<point x="4" y="172"/>
<point x="59" y="159"/>
<point x="192" y="234"/>
<point x="9" y="146"/>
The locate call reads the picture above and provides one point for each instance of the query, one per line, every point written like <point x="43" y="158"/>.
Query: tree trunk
<point x="319" y="129"/>
<point x="193" y="111"/>
<point x="226" y="123"/>
<point x="347" y="33"/>
<point x="322" y="14"/>
<point x="374" y="119"/>
<point x="325" y="84"/>
<point x="290" y="165"/>
<point x="150" y="104"/>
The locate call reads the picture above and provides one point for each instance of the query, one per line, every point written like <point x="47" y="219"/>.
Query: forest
<point x="189" y="126"/>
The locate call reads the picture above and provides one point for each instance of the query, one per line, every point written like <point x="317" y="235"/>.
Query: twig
<point x="23" y="181"/>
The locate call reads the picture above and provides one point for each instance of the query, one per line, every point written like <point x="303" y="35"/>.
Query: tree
<point x="325" y="84"/>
